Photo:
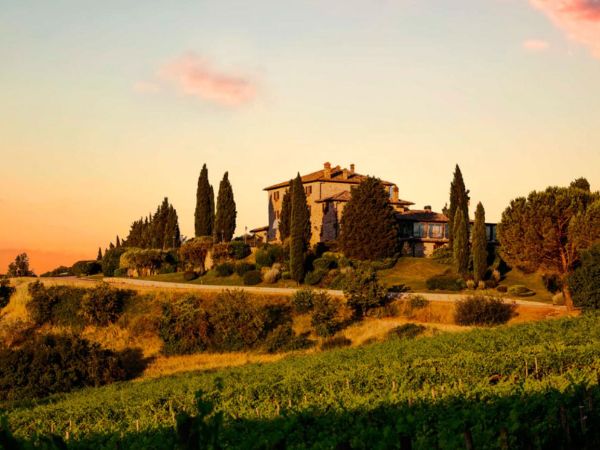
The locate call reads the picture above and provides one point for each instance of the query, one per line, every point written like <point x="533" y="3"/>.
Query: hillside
<point x="527" y="383"/>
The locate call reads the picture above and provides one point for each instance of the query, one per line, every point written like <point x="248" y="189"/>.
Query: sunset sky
<point x="108" y="106"/>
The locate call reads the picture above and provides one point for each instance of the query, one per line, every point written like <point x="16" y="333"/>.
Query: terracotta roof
<point x="258" y="230"/>
<point x="422" y="215"/>
<point x="337" y="176"/>
<point x="345" y="196"/>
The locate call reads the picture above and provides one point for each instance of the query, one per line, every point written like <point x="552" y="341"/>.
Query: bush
<point x="520" y="291"/>
<point x="146" y="261"/>
<point x="272" y="275"/>
<point x="552" y="282"/>
<point x="192" y="253"/>
<point x="481" y="310"/>
<point x="120" y="272"/>
<point x="58" y="305"/>
<point x="313" y="278"/>
<point x="407" y="331"/>
<point x="286" y="275"/>
<point x="584" y="283"/>
<point x="86" y="268"/>
<point x="335" y="342"/>
<point x="303" y="300"/>
<point x="189" y="275"/>
<point x="445" y="283"/>
<point x="6" y="291"/>
<point x="184" y="327"/>
<point x="363" y="291"/>
<point x="325" y="263"/>
<point x="383" y="264"/>
<point x="327" y="315"/>
<point x="103" y="304"/>
<point x="111" y="260"/>
<point x="268" y="255"/>
<point x="242" y="267"/>
<point x="225" y="269"/>
<point x="481" y="285"/>
<point x="283" y="339"/>
<point x="443" y="255"/>
<point x="251" y="278"/>
<point x="502" y="289"/>
<point x="239" y="250"/>
<point x="417" y="302"/>
<point x="60" y="271"/>
<point x="52" y="363"/>
<point x="470" y="284"/>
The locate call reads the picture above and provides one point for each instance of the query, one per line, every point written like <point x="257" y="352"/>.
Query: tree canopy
<point x="286" y="214"/>
<point x="479" y="245"/>
<point x="585" y="281"/>
<point x="368" y="228"/>
<point x="459" y="199"/>
<point x="226" y="213"/>
<point x="20" y="267"/>
<point x="204" y="215"/>
<point x="160" y="230"/>
<point x="300" y="230"/>
<point x="548" y="230"/>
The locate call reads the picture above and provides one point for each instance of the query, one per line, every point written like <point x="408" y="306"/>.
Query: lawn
<point x="412" y="272"/>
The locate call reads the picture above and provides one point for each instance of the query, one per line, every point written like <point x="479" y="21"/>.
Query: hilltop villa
<point x="327" y="192"/>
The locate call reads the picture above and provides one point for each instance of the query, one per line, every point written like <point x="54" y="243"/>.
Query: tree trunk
<point x="567" y="294"/>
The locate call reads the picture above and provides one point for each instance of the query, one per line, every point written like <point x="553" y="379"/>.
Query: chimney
<point x="327" y="170"/>
<point x="427" y="208"/>
<point x="345" y="174"/>
<point x="395" y="192"/>
<point x="352" y="168"/>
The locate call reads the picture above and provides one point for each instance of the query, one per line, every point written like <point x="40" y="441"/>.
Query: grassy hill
<point x="511" y="387"/>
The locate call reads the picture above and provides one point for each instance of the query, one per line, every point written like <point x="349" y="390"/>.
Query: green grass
<point x="412" y="272"/>
<point x="533" y="281"/>
<point x="371" y="392"/>
<point x="210" y="278"/>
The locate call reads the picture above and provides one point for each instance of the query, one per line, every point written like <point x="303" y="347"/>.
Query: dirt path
<point x="435" y="297"/>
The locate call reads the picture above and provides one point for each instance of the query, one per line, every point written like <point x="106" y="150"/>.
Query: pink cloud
<point x="535" y="45"/>
<point x="578" y="19"/>
<point x="195" y="77"/>
<point x="146" y="87"/>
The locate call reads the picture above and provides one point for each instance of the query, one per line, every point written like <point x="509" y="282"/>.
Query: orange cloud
<point x="193" y="76"/>
<point x="579" y="19"/>
<point x="535" y="45"/>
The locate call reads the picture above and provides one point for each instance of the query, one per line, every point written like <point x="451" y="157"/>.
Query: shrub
<point x="111" y="260"/>
<point x="184" y="326"/>
<point x="325" y="263"/>
<point x="283" y="339"/>
<point x="252" y="278"/>
<point x="313" y="278"/>
<point x="303" y="300"/>
<point x="481" y="285"/>
<point x="445" y="283"/>
<point x="147" y="261"/>
<point x="58" y="305"/>
<point x="222" y="252"/>
<point x="86" y="268"/>
<point x="443" y="255"/>
<point x="584" y="283"/>
<point x="335" y="342"/>
<point x="271" y="275"/>
<point x="327" y="315"/>
<point x="60" y="271"/>
<point x="552" y="282"/>
<point x="502" y="289"/>
<point x="189" y="275"/>
<point x="470" y="284"/>
<point x="363" y="291"/>
<point x="383" y="264"/>
<point x="52" y="363"/>
<point x="225" y="269"/>
<point x="242" y="267"/>
<point x="407" y="331"/>
<point x="103" y="304"/>
<point x="269" y="254"/>
<point x="481" y="310"/>
<point x="120" y="272"/>
<point x="6" y="291"/>
<point x="239" y="249"/>
<point x="558" y="299"/>
<point x="286" y="275"/>
<point x="192" y="253"/>
<point x="417" y="302"/>
<point x="520" y="291"/>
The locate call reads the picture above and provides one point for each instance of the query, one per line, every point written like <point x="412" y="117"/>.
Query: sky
<point x="107" y="107"/>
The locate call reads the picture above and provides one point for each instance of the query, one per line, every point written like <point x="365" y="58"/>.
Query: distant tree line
<point x="160" y="230"/>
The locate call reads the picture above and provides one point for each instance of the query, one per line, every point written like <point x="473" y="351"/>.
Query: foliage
<point x="585" y="281"/>
<point x="192" y="253"/>
<point x="460" y="243"/>
<point x="54" y="363"/>
<point x="328" y="316"/>
<point x="226" y="213"/>
<point x="20" y="267"/>
<point x="479" y="245"/>
<point x="552" y="282"/>
<point x="300" y="230"/>
<point x="445" y="282"/>
<point x="6" y="291"/>
<point x="407" y="331"/>
<point x="242" y="267"/>
<point x="185" y="327"/>
<point x="416" y="301"/>
<point x="548" y="230"/>
<point x="325" y="263"/>
<point x="252" y="278"/>
<point x="111" y="260"/>
<point x="459" y="204"/>
<point x="443" y="255"/>
<point x="225" y="269"/>
<point x="283" y="339"/>
<point x="272" y="275"/>
<point x="520" y="291"/>
<point x="285" y="220"/>
<point x="60" y="271"/>
<point x="160" y="230"/>
<point x="581" y="183"/>
<point x="368" y="228"/>
<point x="86" y="268"/>
<point x="268" y="255"/>
<point x="147" y="262"/>
<point x="363" y="291"/>
<point x="335" y="342"/>
<point x="102" y="305"/>
<point x="303" y="300"/>
<point x="239" y="249"/>
<point x="482" y="310"/>
<point x="204" y="214"/>
<point x="315" y="276"/>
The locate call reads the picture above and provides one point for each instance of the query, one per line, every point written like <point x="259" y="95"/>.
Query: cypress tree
<point x="204" y="213"/>
<point x="212" y="209"/>
<point x="226" y="213"/>
<point x="459" y="199"/>
<point x="286" y="214"/>
<point x="99" y="257"/>
<point x="299" y="230"/>
<point x="172" y="238"/>
<point x="461" y="243"/>
<point x="118" y="244"/>
<point x="368" y="228"/>
<point x="479" y="245"/>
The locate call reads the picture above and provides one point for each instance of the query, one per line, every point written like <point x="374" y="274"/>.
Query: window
<point x="436" y="231"/>
<point x="308" y="190"/>
<point x="276" y="195"/>
<point x="418" y="229"/>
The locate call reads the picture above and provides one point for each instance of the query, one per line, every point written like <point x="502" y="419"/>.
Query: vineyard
<point x="520" y="386"/>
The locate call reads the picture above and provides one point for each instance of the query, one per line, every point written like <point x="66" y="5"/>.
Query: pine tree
<point x="368" y="228"/>
<point x="172" y="239"/>
<point x="299" y="230"/>
<point x="99" y="257"/>
<point x="226" y="212"/>
<point x="479" y="245"/>
<point x="461" y="243"/>
<point x="459" y="198"/>
<point x="286" y="214"/>
<point x="204" y="213"/>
